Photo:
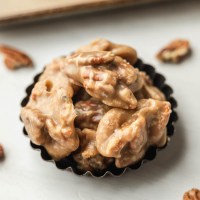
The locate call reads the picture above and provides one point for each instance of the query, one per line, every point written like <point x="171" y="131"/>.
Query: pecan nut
<point x="1" y="152"/>
<point x="49" y="115"/>
<point x="114" y="78"/>
<point x="124" y="51"/>
<point x="14" y="58"/>
<point x="87" y="156"/>
<point x="127" y="134"/>
<point x="193" y="194"/>
<point x="89" y="113"/>
<point x="175" y="51"/>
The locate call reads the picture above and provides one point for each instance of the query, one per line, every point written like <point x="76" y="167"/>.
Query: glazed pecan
<point x="124" y="51"/>
<point x="175" y="51"/>
<point x="49" y="115"/>
<point x="193" y="194"/>
<point x="148" y="90"/>
<point x="53" y="74"/>
<point x="126" y="134"/>
<point x="89" y="113"/>
<point x="14" y="58"/>
<point x="104" y="76"/>
<point x="87" y="157"/>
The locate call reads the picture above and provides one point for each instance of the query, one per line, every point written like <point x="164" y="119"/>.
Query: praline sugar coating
<point x="101" y="86"/>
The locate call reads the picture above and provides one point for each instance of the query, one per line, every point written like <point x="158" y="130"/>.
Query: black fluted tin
<point x="69" y="164"/>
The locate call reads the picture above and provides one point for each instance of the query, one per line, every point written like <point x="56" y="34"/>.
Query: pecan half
<point x="14" y="58"/>
<point x="89" y="113"/>
<point x="104" y="76"/>
<point x="87" y="156"/>
<point x="1" y="152"/>
<point x="124" y="51"/>
<point x="175" y="51"/>
<point x="49" y="115"/>
<point x="193" y="194"/>
<point x="126" y="134"/>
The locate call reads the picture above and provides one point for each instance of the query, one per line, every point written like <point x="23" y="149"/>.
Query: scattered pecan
<point x="175" y="51"/>
<point x="1" y="152"/>
<point x="14" y="58"/>
<point x="193" y="194"/>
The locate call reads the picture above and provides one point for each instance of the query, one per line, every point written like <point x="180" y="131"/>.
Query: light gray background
<point x="24" y="175"/>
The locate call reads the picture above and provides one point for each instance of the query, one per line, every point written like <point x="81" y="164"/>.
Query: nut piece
<point x="49" y="115"/>
<point x="87" y="157"/>
<point x="1" y="152"/>
<point x="126" y="134"/>
<point x="148" y="90"/>
<point x="14" y="58"/>
<point x="175" y="51"/>
<point x="89" y="113"/>
<point x="104" y="76"/>
<point x="53" y="74"/>
<point x="193" y="194"/>
<point x="124" y="51"/>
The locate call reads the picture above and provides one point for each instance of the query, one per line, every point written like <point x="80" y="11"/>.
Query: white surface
<point x="24" y="175"/>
